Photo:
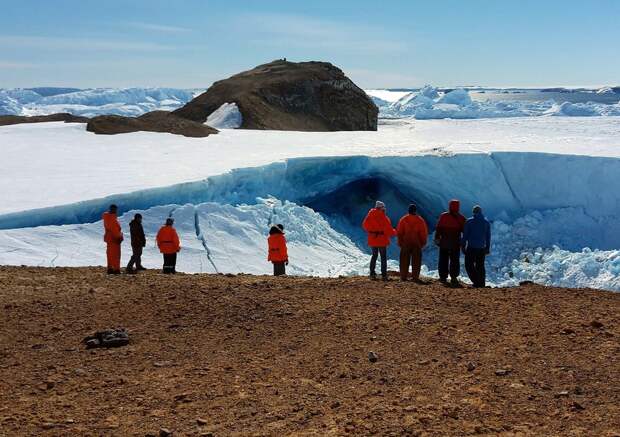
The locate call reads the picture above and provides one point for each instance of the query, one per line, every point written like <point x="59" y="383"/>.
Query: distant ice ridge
<point x="91" y="102"/>
<point x="226" y="116"/>
<point x="428" y="103"/>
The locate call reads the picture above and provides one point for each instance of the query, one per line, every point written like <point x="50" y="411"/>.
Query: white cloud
<point x="16" y="65"/>
<point x="57" y="43"/>
<point x="163" y="28"/>
<point x="284" y="30"/>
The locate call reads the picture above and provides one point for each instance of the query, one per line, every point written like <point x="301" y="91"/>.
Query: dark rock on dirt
<point x="156" y="121"/>
<point x="281" y="95"/>
<point x="373" y="357"/>
<point x="6" y="120"/>
<point x="107" y="338"/>
<point x="165" y="432"/>
<point x="596" y="324"/>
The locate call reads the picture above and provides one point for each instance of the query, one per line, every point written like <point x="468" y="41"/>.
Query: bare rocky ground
<point x="248" y="355"/>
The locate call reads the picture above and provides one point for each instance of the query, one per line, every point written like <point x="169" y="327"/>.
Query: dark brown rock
<point x="156" y="121"/>
<point x="6" y="120"/>
<point x="281" y="95"/>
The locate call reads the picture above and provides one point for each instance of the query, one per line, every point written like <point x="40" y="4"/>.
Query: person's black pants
<point x="449" y="262"/>
<point x="136" y="258"/>
<point x="279" y="268"/>
<point x="474" y="264"/>
<point x="376" y="251"/>
<point x="170" y="262"/>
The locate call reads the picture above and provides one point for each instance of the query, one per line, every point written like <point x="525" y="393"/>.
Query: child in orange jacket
<point x="278" y="253"/>
<point x="169" y="245"/>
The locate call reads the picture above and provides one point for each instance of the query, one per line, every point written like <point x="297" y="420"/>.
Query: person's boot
<point x="385" y="278"/>
<point x="373" y="276"/>
<point x="131" y="271"/>
<point x="454" y="282"/>
<point x="140" y="268"/>
<point x="443" y="280"/>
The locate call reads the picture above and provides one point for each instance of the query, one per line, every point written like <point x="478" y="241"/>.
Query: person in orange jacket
<point x="379" y="228"/>
<point x="278" y="253"/>
<point x="113" y="236"/>
<point x="412" y="234"/>
<point x="169" y="245"/>
<point x="448" y="238"/>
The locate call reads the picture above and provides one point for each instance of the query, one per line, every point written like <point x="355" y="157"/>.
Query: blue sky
<point x="88" y="43"/>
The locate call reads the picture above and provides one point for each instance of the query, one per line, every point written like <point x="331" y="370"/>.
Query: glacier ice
<point x="427" y="104"/>
<point x="92" y="102"/>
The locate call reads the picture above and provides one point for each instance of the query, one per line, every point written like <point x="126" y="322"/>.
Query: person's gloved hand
<point x="286" y="262"/>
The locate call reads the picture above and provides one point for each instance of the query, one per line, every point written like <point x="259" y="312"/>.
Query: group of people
<point x="453" y="234"/>
<point x="167" y="241"/>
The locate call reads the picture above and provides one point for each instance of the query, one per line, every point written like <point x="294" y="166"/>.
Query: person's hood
<point x="275" y="230"/>
<point x="377" y="211"/>
<point x="454" y="206"/>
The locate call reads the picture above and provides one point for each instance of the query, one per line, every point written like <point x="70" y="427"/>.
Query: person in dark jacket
<point x="448" y="237"/>
<point x="138" y="241"/>
<point x="476" y="245"/>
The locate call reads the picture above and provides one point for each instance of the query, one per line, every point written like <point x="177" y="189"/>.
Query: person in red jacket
<point x="113" y="238"/>
<point x="379" y="228"/>
<point x="448" y="237"/>
<point x="278" y="253"/>
<point x="169" y="245"/>
<point x="412" y="234"/>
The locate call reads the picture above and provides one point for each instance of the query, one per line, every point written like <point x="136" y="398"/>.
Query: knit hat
<point x="379" y="204"/>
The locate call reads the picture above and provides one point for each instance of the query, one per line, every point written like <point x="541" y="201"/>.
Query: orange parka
<point x="112" y="228"/>
<point x="412" y="231"/>
<point x="277" y="247"/>
<point x="379" y="228"/>
<point x="168" y="240"/>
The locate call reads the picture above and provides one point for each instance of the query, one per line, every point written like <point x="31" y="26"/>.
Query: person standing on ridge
<point x="448" y="238"/>
<point x="278" y="252"/>
<point x="412" y="234"/>
<point x="379" y="228"/>
<point x="138" y="241"/>
<point x="169" y="245"/>
<point x="113" y="237"/>
<point x="476" y="245"/>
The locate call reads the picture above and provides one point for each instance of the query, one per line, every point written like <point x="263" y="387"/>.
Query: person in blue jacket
<point x="476" y="245"/>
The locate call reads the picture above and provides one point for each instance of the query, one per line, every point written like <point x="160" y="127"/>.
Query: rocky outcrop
<point x="281" y="95"/>
<point x="156" y="121"/>
<point x="6" y="120"/>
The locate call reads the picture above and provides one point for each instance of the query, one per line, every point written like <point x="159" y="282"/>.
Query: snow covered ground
<point x="549" y="184"/>
<point x="51" y="164"/>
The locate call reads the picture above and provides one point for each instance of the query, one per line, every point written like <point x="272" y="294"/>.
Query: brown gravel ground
<point x="250" y="355"/>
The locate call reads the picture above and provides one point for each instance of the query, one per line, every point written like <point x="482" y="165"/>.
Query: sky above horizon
<point x="191" y="43"/>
